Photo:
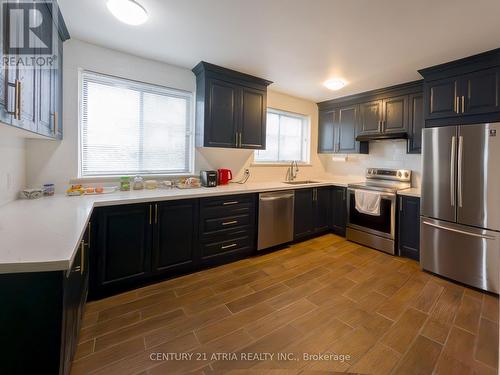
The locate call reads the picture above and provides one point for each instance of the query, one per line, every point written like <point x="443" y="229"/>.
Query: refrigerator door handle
<point x="460" y="170"/>
<point x="452" y="170"/>
<point x="458" y="231"/>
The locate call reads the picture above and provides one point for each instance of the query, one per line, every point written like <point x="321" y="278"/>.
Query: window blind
<point x="287" y="138"/>
<point x="129" y="128"/>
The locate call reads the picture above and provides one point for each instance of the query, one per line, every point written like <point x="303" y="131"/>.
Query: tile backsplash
<point x="383" y="154"/>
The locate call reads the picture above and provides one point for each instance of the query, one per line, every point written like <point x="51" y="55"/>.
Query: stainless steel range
<point x="377" y="230"/>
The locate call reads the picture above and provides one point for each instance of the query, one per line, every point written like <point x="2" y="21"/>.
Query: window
<point x="129" y="128"/>
<point x="287" y="138"/>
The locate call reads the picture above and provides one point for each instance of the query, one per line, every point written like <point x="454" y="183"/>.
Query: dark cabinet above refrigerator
<point x="463" y="91"/>
<point x="230" y="108"/>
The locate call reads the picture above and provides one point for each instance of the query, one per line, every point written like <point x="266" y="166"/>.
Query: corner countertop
<point x="413" y="192"/>
<point x="43" y="234"/>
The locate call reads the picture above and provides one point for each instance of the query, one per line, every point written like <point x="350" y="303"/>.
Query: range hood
<point x="380" y="136"/>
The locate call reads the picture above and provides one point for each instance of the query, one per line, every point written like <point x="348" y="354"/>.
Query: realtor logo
<point x="27" y="28"/>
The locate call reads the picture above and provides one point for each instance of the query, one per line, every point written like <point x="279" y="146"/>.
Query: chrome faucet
<point x="291" y="173"/>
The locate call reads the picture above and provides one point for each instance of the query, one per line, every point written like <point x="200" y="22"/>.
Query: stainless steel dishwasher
<point x="275" y="218"/>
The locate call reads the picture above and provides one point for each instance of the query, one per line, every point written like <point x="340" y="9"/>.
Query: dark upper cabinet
<point x="391" y="112"/>
<point x="337" y="131"/>
<point x="346" y="130"/>
<point x="303" y="213"/>
<point x="442" y="98"/>
<point x="463" y="91"/>
<point x="389" y="115"/>
<point x="415" y="123"/>
<point x="253" y="119"/>
<point x="31" y="96"/>
<point x="339" y="210"/>
<point x="326" y="131"/>
<point x="230" y="108"/>
<point x="370" y="117"/>
<point x="221" y="129"/>
<point x="123" y="244"/>
<point x="409" y="227"/>
<point x="312" y="211"/>
<point x="175" y="236"/>
<point x="481" y="91"/>
<point x="395" y="114"/>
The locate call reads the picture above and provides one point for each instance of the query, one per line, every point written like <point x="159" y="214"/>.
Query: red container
<point x="225" y="175"/>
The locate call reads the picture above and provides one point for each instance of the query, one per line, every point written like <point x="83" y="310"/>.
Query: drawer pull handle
<point x="229" y="203"/>
<point x="230" y="222"/>
<point x="224" y="247"/>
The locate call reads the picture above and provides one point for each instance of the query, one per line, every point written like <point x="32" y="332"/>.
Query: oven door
<point x="383" y="225"/>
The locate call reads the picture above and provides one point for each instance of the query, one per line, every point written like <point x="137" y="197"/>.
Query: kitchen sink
<point x="301" y="182"/>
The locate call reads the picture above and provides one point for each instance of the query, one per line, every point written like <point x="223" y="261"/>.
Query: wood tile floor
<point x="326" y="295"/>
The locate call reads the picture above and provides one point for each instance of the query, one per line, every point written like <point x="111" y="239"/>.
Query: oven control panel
<point x="402" y="175"/>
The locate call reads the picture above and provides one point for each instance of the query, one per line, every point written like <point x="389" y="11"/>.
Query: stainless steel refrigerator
<point x="460" y="208"/>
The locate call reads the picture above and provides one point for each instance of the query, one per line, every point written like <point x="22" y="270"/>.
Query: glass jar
<point x="125" y="183"/>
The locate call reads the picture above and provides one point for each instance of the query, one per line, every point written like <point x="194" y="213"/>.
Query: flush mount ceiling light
<point x="334" y="84"/>
<point x="128" y="11"/>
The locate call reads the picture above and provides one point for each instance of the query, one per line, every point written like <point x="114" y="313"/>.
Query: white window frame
<point x="146" y="87"/>
<point x="306" y="139"/>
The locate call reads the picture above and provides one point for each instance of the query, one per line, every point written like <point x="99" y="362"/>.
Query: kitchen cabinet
<point x="339" y="210"/>
<point x="175" y="236"/>
<point x="326" y="131"/>
<point x="463" y="91"/>
<point x="123" y="248"/>
<point x="415" y="123"/>
<point x="312" y="212"/>
<point x="338" y="129"/>
<point x="385" y="116"/>
<point x="230" y="108"/>
<point x="391" y="112"/>
<point x="395" y="114"/>
<point x="42" y="314"/>
<point x="409" y="227"/>
<point x="370" y="117"/>
<point x="227" y="228"/>
<point x="31" y="97"/>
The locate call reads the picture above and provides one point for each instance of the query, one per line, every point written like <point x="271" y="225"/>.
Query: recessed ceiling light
<point x="334" y="84"/>
<point x="128" y="11"/>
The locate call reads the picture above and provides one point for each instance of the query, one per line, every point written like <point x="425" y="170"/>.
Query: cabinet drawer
<point x="222" y="223"/>
<point x="224" y="245"/>
<point x="227" y="205"/>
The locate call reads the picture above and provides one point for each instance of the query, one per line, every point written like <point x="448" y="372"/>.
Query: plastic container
<point x="49" y="190"/>
<point x="124" y="183"/>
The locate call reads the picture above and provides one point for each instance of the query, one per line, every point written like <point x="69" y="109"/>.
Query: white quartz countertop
<point x="44" y="234"/>
<point x="413" y="192"/>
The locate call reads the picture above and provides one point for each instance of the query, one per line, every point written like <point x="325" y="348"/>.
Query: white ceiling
<point x="299" y="44"/>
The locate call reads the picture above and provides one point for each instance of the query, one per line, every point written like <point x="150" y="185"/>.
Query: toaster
<point x="208" y="178"/>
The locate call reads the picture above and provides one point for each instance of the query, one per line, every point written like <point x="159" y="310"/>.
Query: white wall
<point x="57" y="162"/>
<point x="13" y="165"/>
<point x="383" y="154"/>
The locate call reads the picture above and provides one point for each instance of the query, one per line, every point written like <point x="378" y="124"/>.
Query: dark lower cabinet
<point x="227" y="228"/>
<point x="409" y="227"/>
<point x="303" y="213"/>
<point x="175" y="236"/>
<point x="123" y="244"/>
<point x="41" y="316"/>
<point x="339" y="210"/>
<point x="312" y="212"/>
